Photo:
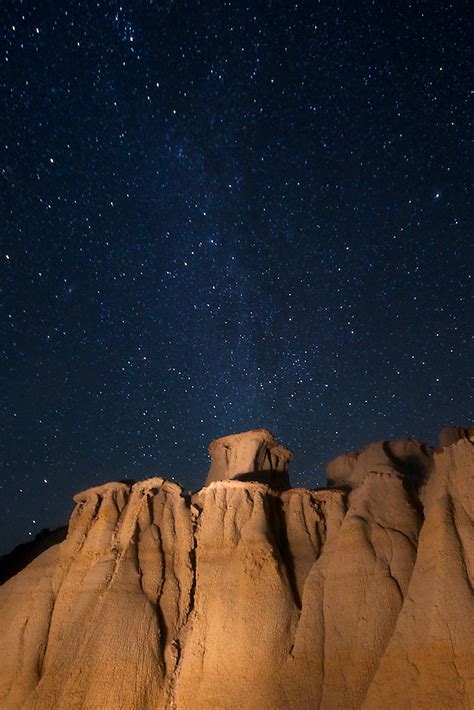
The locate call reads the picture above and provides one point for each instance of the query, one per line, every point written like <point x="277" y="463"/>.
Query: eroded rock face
<point x="450" y="434"/>
<point x="411" y="459"/>
<point x="246" y="596"/>
<point x="431" y="646"/>
<point x="253" y="455"/>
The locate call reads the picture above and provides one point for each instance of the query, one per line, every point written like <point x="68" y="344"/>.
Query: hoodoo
<point x="253" y="455"/>
<point x="251" y="594"/>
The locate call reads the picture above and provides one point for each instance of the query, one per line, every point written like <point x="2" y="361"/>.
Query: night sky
<point x="221" y="215"/>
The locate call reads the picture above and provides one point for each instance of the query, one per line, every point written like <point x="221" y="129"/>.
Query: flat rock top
<point x="261" y="437"/>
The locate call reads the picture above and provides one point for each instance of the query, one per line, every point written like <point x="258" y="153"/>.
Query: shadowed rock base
<point x="246" y="596"/>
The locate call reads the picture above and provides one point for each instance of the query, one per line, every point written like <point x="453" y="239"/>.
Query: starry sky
<point x="223" y="214"/>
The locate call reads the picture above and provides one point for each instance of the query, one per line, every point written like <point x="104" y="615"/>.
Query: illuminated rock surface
<point x="250" y="456"/>
<point x="254" y="595"/>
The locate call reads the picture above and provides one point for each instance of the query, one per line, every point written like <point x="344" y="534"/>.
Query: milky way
<point x="220" y="215"/>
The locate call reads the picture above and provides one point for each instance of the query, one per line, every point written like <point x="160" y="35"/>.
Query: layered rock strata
<point x="249" y="596"/>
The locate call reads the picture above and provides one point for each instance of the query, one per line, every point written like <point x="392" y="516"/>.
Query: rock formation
<point x="250" y="594"/>
<point x="250" y="456"/>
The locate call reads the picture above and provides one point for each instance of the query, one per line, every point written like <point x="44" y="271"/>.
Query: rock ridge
<point x="250" y="593"/>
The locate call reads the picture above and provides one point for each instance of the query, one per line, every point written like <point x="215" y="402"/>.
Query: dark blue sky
<point x="221" y="215"/>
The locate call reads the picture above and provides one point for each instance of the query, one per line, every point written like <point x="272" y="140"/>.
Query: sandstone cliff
<point x="250" y="594"/>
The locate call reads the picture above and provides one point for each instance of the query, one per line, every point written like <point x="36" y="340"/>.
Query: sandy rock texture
<point x="253" y="455"/>
<point x="250" y="594"/>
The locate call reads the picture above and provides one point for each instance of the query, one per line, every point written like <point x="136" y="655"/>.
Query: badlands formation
<point x="250" y="594"/>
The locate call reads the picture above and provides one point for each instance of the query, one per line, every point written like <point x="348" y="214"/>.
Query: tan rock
<point x="408" y="457"/>
<point x="244" y="613"/>
<point x="429" y="662"/>
<point x="450" y="434"/>
<point x="250" y="596"/>
<point x="253" y="455"/>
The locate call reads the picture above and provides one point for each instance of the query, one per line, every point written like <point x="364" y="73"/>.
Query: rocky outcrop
<point x="432" y="644"/>
<point x="251" y="595"/>
<point x="409" y="458"/>
<point x="450" y="434"/>
<point x="250" y="456"/>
